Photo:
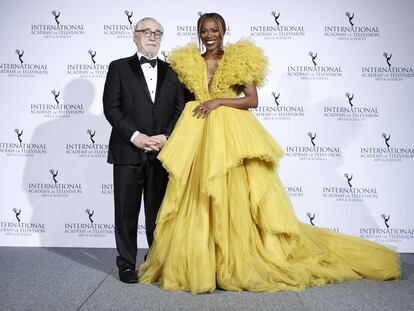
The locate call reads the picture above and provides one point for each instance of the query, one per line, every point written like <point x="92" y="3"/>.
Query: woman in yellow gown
<point x="226" y="220"/>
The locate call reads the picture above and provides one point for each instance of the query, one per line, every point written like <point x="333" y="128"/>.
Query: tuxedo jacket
<point x="128" y="106"/>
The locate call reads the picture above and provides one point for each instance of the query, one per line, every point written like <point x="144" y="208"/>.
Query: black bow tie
<point x="144" y="60"/>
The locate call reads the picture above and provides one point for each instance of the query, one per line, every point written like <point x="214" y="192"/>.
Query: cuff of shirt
<point x="133" y="136"/>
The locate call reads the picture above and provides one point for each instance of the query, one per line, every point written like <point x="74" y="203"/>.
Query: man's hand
<point x="160" y="140"/>
<point x="146" y="143"/>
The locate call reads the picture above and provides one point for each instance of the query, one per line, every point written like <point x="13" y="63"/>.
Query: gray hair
<point x="138" y="25"/>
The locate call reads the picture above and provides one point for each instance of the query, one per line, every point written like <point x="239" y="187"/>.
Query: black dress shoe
<point x="128" y="276"/>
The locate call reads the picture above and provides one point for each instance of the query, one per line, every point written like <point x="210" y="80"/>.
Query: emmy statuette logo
<point x="56" y="15"/>
<point x="165" y="55"/>
<point x="56" y="95"/>
<point x="54" y="174"/>
<point x="129" y="15"/>
<point x="350" y="18"/>
<point x="92" y="54"/>
<point x="91" y="135"/>
<point x="386" y="219"/>
<point x="311" y="218"/>
<point x="387" y="138"/>
<point x="312" y="137"/>
<point x="387" y="58"/>
<point x="348" y="179"/>
<point x="313" y="57"/>
<point x="275" y="98"/>
<point x="276" y="15"/>
<point x="20" y="55"/>
<point x="90" y="214"/>
<point x="17" y="213"/>
<point x="350" y="98"/>
<point x="19" y="134"/>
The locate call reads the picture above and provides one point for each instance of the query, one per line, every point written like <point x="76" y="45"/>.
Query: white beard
<point x="150" y="52"/>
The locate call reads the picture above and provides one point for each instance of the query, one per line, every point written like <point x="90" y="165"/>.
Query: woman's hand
<point x="202" y="110"/>
<point x="249" y="100"/>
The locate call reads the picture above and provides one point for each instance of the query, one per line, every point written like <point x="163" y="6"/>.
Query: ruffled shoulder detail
<point x="189" y="66"/>
<point x="243" y="63"/>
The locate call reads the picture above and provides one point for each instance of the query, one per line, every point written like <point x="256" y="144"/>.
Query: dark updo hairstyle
<point x="221" y="24"/>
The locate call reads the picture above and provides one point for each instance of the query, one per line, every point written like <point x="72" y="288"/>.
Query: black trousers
<point x="130" y="182"/>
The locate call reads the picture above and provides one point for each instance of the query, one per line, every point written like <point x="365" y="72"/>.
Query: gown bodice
<point x="242" y="63"/>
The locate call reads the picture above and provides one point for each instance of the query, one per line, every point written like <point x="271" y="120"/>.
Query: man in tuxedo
<point x="142" y="101"/>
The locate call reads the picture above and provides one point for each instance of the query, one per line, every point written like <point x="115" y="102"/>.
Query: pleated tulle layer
<point x="226" y="221"/>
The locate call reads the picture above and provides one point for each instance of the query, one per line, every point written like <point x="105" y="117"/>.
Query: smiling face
<point x="210" y="35"/>
<point x="147" y="46"/>
<point x="210" y="30"/>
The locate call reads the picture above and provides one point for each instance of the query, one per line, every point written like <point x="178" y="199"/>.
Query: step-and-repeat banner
<point x="338" y="99"/>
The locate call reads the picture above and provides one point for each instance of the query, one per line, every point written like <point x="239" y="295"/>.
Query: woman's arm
<point x="249" y="100"/>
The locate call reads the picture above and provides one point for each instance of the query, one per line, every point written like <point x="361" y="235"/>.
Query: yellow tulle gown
<point x="226" y="221"/>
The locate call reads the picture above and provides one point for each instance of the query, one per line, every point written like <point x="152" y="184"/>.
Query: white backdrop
<point x="338" y="99"/>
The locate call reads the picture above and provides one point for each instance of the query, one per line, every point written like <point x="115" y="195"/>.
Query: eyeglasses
<point x="147" y="33"/>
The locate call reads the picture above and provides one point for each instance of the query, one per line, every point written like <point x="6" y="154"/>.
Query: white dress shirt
<point x="151" y="75"/>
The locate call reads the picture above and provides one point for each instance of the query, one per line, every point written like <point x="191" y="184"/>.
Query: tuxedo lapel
<point x="136" y="69"/>
<point x="162" y="71"/>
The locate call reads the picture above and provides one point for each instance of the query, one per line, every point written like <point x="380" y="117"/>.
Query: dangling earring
<point x="201" y="46"/>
